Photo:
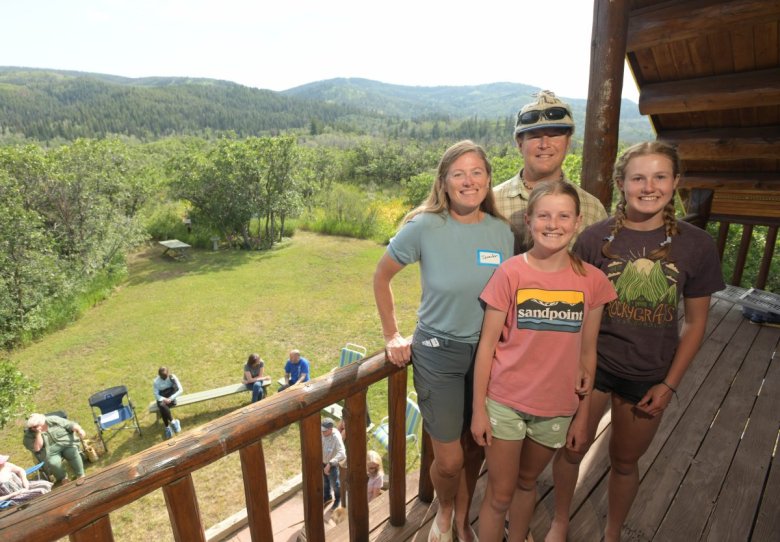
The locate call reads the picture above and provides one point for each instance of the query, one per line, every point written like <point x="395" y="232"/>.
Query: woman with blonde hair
<point x="459" y="239"/>
<point x="376" y="474"/>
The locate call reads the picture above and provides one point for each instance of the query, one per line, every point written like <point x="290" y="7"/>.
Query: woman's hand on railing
<point x="398" y="350"/>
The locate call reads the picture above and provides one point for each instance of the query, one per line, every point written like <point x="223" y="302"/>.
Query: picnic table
<point x="176" y="247"/>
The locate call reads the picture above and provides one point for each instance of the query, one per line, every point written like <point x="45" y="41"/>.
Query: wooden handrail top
<point x="80" y="503"/>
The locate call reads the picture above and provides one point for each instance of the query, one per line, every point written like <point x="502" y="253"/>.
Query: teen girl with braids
<point x="652" y="259"/>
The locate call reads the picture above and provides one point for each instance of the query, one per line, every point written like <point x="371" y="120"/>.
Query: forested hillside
<point x="47" y="105"/>
<point x="44" y="105"/>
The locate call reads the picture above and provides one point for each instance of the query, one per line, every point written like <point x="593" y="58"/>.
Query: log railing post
<point x="355" y="423"/>
<point x="766" y="260"/>
<point x="183" y="510"/>
<point x="97" y="531"/>
<point x="258" y="509"/>
<point x="744" y="247"/>
<point x="396" y="398"/>
<point x="723" y="236"/>
<point x="607" y="57"/>
<point x="311" y="451"/>
<point x="425" y="486"/>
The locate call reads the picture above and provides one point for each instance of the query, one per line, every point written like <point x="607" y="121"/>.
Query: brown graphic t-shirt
<point x="639" y="330"/>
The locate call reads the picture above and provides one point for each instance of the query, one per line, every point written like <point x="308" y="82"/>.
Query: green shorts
<point x="510" y="424"/>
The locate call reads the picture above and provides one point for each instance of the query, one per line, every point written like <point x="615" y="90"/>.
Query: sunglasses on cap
<point x="551" y="113"/>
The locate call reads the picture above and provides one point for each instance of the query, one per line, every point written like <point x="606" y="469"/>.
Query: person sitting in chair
<point x="254" y="379"/>
<point x="166" y="389"/>
<point x="295" y="370"/>
<point x="52" y="438"/>
<point x="14" y="485"/>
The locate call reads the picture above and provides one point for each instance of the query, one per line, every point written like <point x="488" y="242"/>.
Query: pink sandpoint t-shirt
<point x="537" y="357"/>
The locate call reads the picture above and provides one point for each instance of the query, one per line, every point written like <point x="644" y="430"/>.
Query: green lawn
<point x="202" y="317"/>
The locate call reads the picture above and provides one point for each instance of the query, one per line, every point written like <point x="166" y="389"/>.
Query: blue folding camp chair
<point x="413" y="421"/>
<point x="36" y="470"/>
<point x="113" y="410"/>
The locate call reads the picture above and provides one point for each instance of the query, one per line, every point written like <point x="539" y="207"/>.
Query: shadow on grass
<point x="150" y="265"/>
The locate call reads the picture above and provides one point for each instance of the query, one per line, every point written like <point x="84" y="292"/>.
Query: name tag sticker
<point x="491" y="258"/>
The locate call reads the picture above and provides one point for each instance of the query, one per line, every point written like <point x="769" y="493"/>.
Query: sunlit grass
<point x="202" y="317"/>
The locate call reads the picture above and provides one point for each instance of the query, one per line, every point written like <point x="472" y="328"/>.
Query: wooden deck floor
<point x="710" y="473"/>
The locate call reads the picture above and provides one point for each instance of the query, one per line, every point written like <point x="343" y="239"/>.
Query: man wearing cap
<point x="543" y="132"/>
<point x="333" y="453"/>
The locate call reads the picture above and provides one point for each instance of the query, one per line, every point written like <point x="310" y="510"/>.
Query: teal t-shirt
<point x="456" y="261"/>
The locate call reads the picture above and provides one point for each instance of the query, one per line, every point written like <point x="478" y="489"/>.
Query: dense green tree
<point x="237" y="180"/>
<point x="15" y="392"/>
<point x="31" y="274"/>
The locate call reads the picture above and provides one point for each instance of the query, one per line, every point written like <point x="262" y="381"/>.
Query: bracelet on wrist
<point x="674" y="390"/>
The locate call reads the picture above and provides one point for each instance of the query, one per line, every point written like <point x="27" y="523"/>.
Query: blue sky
<point x="279" y="44"/>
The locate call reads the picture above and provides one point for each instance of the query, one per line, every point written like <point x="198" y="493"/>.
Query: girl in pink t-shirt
<point x="536" y="358"/>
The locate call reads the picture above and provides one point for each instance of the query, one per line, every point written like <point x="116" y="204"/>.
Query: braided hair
<point x="670" y="220"/>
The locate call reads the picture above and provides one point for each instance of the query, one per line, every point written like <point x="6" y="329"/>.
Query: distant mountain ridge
<point x="46" y="104"/>
<point x="488" y="101"/>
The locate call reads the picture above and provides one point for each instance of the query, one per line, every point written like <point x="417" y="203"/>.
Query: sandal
<point x="474" y="536"/>
<point x="435" y="535"/>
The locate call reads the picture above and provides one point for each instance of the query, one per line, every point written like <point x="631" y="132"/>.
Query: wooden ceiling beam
<point x="719" y="92"/>
<point x="686" y="19"/>
<point x="725" y="144"/>
<point x="731" y="180"/>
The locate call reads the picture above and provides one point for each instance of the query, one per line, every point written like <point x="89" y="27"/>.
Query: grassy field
<point x="202" y="317"/>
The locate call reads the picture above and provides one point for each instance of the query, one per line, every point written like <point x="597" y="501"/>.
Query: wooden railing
<point x="748" y="202"/>
<point x="81" y="510"/>
<point x="745" y="246"/>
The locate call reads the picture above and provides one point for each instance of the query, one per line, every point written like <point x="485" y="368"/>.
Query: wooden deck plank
<point x="768" y="520"/>
<point x="738" y="502"/>
<point x="692" y="505"/>
<point x="661" y="482"/>
<point x="595" y="467"/>
<point x="589" y="521"/>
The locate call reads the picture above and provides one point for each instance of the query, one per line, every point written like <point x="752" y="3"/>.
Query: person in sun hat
<point x="543" y="132"/>
<point x="333" y="453"/>
<point x="15" y="488"/>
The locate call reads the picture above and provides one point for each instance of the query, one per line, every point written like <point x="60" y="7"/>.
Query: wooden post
<point x="183" y="510"/>
<point x="744" y="246"/>
<point x="97" y="531"/>
<point x="723" y="236"/>
<point x="311" y="451"/>
<point x="258" y="509"/>
<point x="355" y="422"/>
<point x="396" y="399"/>
<point x="766" y="261"/>
<point x="602" y="117"/>
<point x="425" y="486"/>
